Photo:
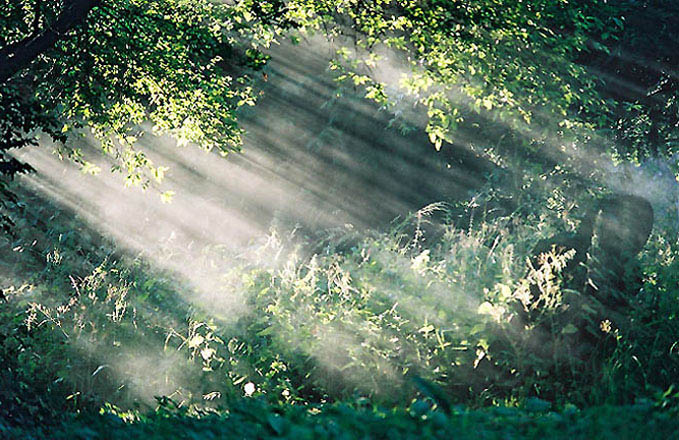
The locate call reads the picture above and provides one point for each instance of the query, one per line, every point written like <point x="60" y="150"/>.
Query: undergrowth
<point x="419" y="312"/>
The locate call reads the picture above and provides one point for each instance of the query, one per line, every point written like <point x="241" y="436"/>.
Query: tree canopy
<point x="541" y="70"/>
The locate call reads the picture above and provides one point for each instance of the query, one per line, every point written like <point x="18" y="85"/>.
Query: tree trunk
<point x="15" y="57"/>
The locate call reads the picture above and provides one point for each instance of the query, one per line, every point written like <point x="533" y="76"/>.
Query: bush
<point x="390" y="317"/>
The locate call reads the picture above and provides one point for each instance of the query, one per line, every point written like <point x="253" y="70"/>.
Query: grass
<point x="254" y="418"/>
<point x="348" y="336"/>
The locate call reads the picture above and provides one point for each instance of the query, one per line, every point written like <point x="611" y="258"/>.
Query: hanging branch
<point x="15" y="57"/>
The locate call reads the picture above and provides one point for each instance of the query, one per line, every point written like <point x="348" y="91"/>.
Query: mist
<point x="316" y="157"/>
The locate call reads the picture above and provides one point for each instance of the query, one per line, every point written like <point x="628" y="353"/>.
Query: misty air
<point x="339" y="219"/>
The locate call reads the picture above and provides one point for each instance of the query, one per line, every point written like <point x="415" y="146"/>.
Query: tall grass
<point x="454" y="314"/>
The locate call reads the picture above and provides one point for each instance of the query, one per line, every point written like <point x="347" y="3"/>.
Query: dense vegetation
<point x="479" y="317"/>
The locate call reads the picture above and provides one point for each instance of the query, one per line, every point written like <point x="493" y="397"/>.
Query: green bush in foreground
<point x="253" y="418"/>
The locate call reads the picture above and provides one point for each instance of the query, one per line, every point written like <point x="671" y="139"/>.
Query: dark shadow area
<point x="316" y="156"/>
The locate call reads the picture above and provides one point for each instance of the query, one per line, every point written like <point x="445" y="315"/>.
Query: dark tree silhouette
<point x="622" y="224"/>
<point x="15" y="57"/>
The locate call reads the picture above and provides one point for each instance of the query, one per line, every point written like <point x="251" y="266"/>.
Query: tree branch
<point x="37" y="12"/>
<point x="17" y="56"/>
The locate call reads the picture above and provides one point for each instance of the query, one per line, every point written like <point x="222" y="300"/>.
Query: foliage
<point x="257" y="419"/>
<point x="638" y="75"/>
<point x="512" y="62"/>
<point x="387" y="318"/>
<point x="182" y="66"/>
<point x="376" y="334"/>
